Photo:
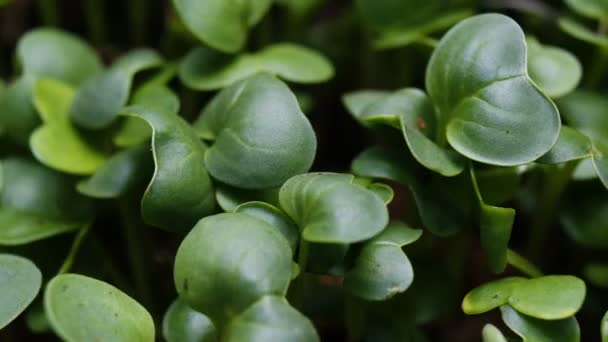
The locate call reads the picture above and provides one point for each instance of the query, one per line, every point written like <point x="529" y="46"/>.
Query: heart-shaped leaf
<point x="329" y="208"/>
<point x="221" y="24"/>
<point x="228" y="198"/>
<point x="99" y="99"/>
<point x="382" y="270"/>
<point x="56" y="54"/>
<point x="556" y="71"/>
<point x="596" y="9"/>
<point x="581" y="32"/>
<point x="491" y="334"/>
<point x="270" y="319"/>
<point x="274" y="217"/>
<point x="490" y="296"/>
<point x="37" y="203"/>
<point x="20" y="282"/>
<point x="571" y="145"/>
<point x="532" y="329"/>
<point x="179" y="169"/>
<point x="549" y="297"/>
<point x="119" y="174"/>
<point x="260" y="136"/>
<point x="80" y="308"/>
<point x="247" y="257"/>
<point x="182" y="324"/>
<point x="490" y="110"/>
<point x="57" y="143"/>
<point x="206" y="69"/>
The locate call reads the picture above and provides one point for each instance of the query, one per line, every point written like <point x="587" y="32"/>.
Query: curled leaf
<point x="20" y="282"/>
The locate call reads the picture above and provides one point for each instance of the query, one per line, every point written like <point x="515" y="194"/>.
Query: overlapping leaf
<point x="532" y="329"/>
<point x="20" y="281"/>
<point x="183" y="324"/>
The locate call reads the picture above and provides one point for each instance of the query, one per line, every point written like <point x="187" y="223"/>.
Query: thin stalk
<point x="138" y="15"/>
<point x="522" y="264"/>
<point x="95" y="16"/>
<point x="48" y="11"/>
<point x="556" y="180"/>
<point x="300" y="285"/>
<point x="69" y="260"/>
<point x="600" y="60"/>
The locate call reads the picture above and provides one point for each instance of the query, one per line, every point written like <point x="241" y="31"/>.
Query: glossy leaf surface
<point x="183" y="324"/>
<point x="490" y="295"/>
<point x="228" y="198"/>
<point x="274" y="217"/>
<point x="532" y="329"/>
<point x="20" y="282"/>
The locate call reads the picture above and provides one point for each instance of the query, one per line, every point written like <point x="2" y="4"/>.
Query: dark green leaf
<point x="498" y="185"/>
<point x="20" y="282"/>
<point x="535" y="330"/>
<point x="571" y="145"/>
<point x="228" y="198"/>
<point x="596" y="9"/>
<point x="585" y="220"/>
<point x="19" y="117"/>
<point x="274" y="217"/>
<point x="597" y="274"/>
<point x="182" y="324"/>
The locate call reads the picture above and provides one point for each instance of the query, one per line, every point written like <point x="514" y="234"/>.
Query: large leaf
<point x="56" y="54"/>
<point x="270" y="319"/>
<point x="80" y="308"/>
<point x="260" y="136"/>
<point x="99" y="99"/>
<point x="206" y="69"/>
<point x="37" y="203"/>
<point x="382" y="270"/>
<point x="329" y="208"/>
<point x="490" y="110"/>
<point x="183" y="324"/>
<point x="490" y="295"/>
<point x="596" y="9"/>
<point x="180" y="192"/>
<point x="57" y="143"/>
<point x="221" y="24"/>
<point x="247" y="257"/>
<point x="555" y="71"/>
<point x="532" y="329"/>
<point x="20" y="282"/>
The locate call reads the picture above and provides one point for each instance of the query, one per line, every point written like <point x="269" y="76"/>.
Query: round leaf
<point x="80" y="308"/>
<point x="18" y="117"/>
<point x="535" y="330"/>
<point x="179" y="169"/>
<point x="182" y="324"/>
<point x="549" y="297"/>
<point x="274" y="217"/>
<point x="328" y="208"/>
<point x="490" y="295"/>
<point x="491" y="334"/>
<point x="260" y="136"/>
<point x="571" y="145"/>
<point x="477" y="78"/>
<point x="270" y="319"/>
<point x="20" y="282"/>
<point x="247" y="257"/>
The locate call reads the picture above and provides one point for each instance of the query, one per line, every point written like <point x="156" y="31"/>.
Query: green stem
<point x="441" y="137"/>
<point x="522" y="264"/>
<point x="95" y="15"/>
<point x="556" y="180"/>
<point x="69" y="260"/>
<point x="138" y="16"/>
<point x="49" y="12"/>
<point x="300" y="284"/>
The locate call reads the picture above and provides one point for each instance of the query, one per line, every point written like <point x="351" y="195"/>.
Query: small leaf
<point x="20" y="282"/>
<point x="595" y="9"/>
<point x="490" y="295"/>
<point x="99" y="99"/>
<point x="549" y="297"/>
<point x="477" y="78"/>
<point x="182" y="324"/>
<point x="260" y="136"/>
<point x="19" y="117"/>
<point x="220" y="24"/>
<point x="535" y="330"/>
<point x="498" y="185"/>
<point x="581" y="32"/>
<point x="597" y="274"/>
<point x="604" y="328"/>
<point x="83" y="309"/>
<point x="378" y="162"/>
<point x="383" y="191"/>
<point x="228" y="198"/>
<point x="585" y="220"/>
<point x="328" y="208"/>
<point x="571" y="145"/>
<point x="491" y="334"/>
<point x="57" y="143"/>
<point x="356" y="102"/>
<point x="179" y="169"/>
<point x="206" y="69"/>
<point x="556" y="71"/>
<point x="56" y="54"/>
<point x="399" y="234"/>
<point x="270" y="319"/>
<point x="248" y="259"/>
<point x="274" y="217"/>
<point x="119" y="174"/>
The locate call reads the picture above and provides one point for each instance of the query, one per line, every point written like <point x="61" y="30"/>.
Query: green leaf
<point x="597" y="274"/>
<point x="585" y="220"/>
<point x="179" y="169"/>
<point x="495" y="226"/>
<point x="37" y="203"/>
<point x="378" y="162"/>
<point x="248" y="259"/>
<point x="83" y="309"/>
<point x="57" y="143"/>
<point x="381" y="269"/>
<point x="549" y="297"/>
<point x="56" y="54"/>
<point x="556" y="71"/>
<point x="270" y="319"/>
<point x="492" y="112"/>
<point x="600" y="160"/>
<point x="383" y="191"/>
<point x="274" y="217"/>
<point x="491" y="334"/>
<point x="571" y="145"/>
<point x="119" y="174"/>
<point x="498" y="185"/>
<point x="228" y="198"/>
<point x="581" y="32"/>
<point x="328" y="208"/>
<point x="182" y="324"/>
<point x="99" y="99"/>
<point x="223" y="25"/>
<point x="604" y="328"/>
<point x="206" y="69"/>
<point x="19" y="117"/>
<point x="490" y="295"/>
<point x="20" y="282"/>
<point x="260" y="136"/>
<point x="595" y="9"/>
<point x="535" y="330"/>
